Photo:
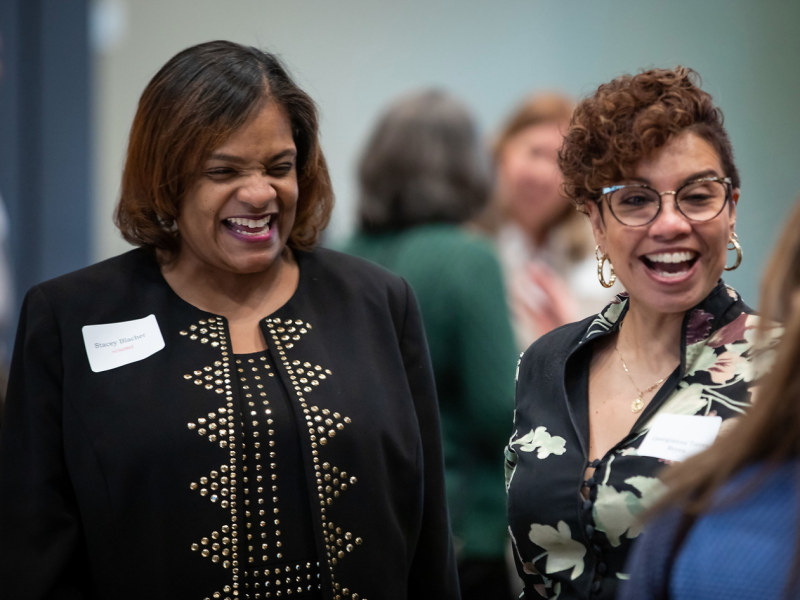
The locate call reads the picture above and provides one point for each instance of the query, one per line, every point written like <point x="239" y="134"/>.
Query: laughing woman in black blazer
<point x="224" y="412"/>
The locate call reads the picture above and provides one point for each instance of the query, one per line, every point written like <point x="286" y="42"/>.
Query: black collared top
<point x="566" y="545"/>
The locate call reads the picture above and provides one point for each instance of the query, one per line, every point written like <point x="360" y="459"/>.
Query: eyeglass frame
<point x="606" y="191"/>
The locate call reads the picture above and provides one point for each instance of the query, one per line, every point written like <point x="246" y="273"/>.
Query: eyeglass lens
<point x="638" y="205"/>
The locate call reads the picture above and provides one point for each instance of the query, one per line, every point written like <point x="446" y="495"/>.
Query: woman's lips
<point x="250" y="229"/>
<point x="670" y="265"/>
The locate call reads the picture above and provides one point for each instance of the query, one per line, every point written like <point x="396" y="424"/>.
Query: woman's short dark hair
<point x="422" y="164"/>
<point x="192" y="105"/>
<point x="628" y="119"/>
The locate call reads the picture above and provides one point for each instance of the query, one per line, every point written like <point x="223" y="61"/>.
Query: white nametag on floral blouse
<point x="677" y="437"/>
<point x="116" y="344"/>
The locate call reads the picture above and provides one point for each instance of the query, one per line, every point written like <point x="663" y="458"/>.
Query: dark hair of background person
<point x="191" y="106"/>
<point x="770" y="432"/>
<point x="422" y="164"/>
<point x="631" y="117"/>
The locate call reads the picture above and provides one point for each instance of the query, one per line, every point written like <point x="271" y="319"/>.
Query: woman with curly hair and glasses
<point x="603" y="404"/>
<point x="225" y="412"/>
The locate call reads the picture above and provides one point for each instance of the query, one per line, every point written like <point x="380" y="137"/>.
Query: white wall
<point x="354" y="56"/>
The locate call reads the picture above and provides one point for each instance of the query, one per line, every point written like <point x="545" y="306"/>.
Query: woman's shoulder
<point x="326" y="267"/>
<point x="105" y="277"/>
<point x="338" y="288"/>
<point x="452" y="255"/>
<point x="569" y="334"/>
<point x="115" y="289"/>
<point x="431" y="240"/>
<point x="455" y="237"/>
<point x="759" y="484"/>
<point x="555" y="345"/>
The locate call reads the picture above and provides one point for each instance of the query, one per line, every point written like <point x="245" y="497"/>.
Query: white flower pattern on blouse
<point x="718" y="368"/>
<point x="539" y="439"/>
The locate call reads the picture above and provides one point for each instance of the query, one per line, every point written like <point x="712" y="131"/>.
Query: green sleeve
<point x="486" y="349"/>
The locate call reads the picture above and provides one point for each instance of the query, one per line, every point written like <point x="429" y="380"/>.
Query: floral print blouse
<point x="568" y="546"/>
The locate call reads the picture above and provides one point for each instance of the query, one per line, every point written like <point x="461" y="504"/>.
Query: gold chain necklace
<point x="637" y="404"/>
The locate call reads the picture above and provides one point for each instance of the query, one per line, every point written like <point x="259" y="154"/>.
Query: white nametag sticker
<point x="677" y="437"/>
<point x="116" y="344"/>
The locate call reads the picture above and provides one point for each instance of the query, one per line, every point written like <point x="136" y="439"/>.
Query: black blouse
<point x="566" y="545"/>
<point x="279" y="529"/>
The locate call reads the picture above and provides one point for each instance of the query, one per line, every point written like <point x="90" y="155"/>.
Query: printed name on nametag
<point x="116" y="344"/>
<point x="677" y="437"/>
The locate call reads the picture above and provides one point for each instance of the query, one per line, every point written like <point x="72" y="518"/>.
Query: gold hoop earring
<point x="601" y="259"/>
<point x="733" y="244"/>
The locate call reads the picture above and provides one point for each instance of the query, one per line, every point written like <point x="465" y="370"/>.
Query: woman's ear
<point x="595" y="212"/>
<point x="732" y="208"/>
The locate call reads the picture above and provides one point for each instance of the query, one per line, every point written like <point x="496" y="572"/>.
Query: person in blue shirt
<point x="728" y="527"/>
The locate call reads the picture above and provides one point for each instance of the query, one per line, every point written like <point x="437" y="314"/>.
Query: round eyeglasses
<point x="637" y="204"/>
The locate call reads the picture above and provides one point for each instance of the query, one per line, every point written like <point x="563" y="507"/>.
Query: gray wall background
<point x="354" y="56"/>
<point x="45" y="141"/>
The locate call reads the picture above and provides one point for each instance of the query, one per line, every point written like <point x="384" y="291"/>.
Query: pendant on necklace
<point x="637" y="404"/>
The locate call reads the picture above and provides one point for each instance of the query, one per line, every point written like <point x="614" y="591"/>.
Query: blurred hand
<point x="541" y="299"/>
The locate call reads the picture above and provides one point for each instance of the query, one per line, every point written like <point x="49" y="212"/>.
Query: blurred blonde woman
<point x="545" y="246"/>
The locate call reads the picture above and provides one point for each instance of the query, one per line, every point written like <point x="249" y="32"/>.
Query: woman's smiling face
<point x="672" y="263"/>
<point x="239" y="213"/>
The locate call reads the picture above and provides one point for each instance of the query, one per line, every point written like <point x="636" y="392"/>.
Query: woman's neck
<point x="536" y="237"/>
<point x="651" y="339"/>
<point x="236" y="296"/>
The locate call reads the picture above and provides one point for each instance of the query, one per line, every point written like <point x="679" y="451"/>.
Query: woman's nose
<point x="257" y="190"/>
<point x="670" y="222"/>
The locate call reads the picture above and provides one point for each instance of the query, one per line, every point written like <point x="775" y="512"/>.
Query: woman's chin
<point x="244" y="263"/>
<point x="670" y="293"/>
<point x="254" y="266"/>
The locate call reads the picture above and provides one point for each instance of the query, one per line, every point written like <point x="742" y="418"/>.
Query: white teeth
<point x="670" y="257"/>
<point x="671" y="275"/>
<point x="251" y="223"/>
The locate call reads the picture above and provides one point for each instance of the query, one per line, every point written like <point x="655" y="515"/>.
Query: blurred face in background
<point x="529" y="180"/>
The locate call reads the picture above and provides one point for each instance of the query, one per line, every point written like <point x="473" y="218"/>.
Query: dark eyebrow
<point x="692" y="177"/>
<point x="288" y="153"/>
<point x="701" y="175"/>
<point x="232" y="158"/>
<point x="226" y="157"/>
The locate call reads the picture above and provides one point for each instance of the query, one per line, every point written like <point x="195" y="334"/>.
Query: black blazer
<point x="96" y="469"/>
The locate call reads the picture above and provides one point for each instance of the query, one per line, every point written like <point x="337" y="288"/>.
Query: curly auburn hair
<point x="195" y="102"/>
<point x="628" y="119"/>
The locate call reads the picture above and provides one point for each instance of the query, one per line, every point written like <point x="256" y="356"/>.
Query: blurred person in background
<point x="6" y="286"/>
<point x="225" y="411"/>
<point x="647" y="157"/>
<point x="730" y="526"/>
<point x="422" y="174"/>
<point x="545" y="246"/>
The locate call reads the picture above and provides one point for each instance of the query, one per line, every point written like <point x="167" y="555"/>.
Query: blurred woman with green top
<point x="422" y="175"/>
